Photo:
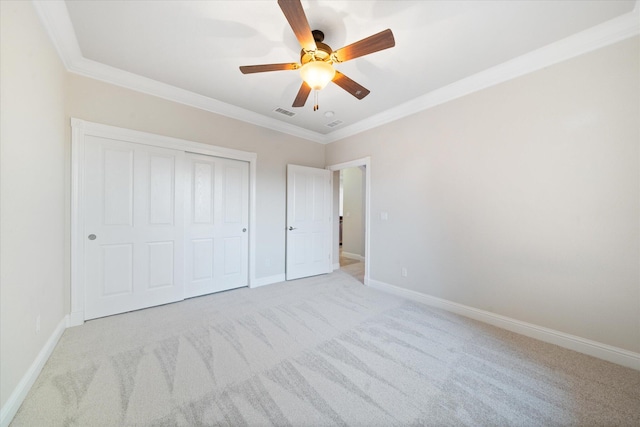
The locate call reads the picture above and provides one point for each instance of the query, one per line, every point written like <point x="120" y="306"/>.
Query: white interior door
<point x="133" y="226"/>
<point x="308" y="221"/>
<point x="216" y="229"/>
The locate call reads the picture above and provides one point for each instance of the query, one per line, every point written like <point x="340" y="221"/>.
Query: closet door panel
<point x="134" y="226"/>
<point x="216" y="235"/>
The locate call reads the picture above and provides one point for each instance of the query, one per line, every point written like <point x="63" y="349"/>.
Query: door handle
<point x="244" y="230"/>
<point x="291" y="228"/>
<point x="92" y="237"/>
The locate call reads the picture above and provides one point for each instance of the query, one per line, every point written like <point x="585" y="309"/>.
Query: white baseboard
<point x="263" y="281"/>
<point x="12" y="405"/>
<point x="352" y="256"/>
<point x="606" y="352"/>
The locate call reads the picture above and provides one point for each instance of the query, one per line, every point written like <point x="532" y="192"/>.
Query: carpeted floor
<point x="324" y="350"/>
<point x="353" y="268"/>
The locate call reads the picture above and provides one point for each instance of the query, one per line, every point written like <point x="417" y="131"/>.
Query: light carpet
<point x="319" y="351"/>
<point x="353" y="268"/>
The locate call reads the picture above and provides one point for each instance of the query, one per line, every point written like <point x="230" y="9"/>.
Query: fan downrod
<point x="318" y="35"/>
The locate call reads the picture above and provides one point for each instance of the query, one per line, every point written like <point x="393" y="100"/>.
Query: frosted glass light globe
<point x="317" y="74"/>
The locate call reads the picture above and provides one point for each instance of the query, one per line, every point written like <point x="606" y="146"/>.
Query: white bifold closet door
<point x="216" y="222"/>
<point x="134" y="226"/>
<point x="161" y="225"/>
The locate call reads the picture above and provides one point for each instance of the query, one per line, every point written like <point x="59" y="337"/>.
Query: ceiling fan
<point x="317" y="58"/>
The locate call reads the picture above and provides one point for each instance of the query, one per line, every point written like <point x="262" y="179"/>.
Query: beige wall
<point x="522" y="199"/>
<point x="353" y="211"/>
<point x="31" y="191"/>
<point x="100" y="102"/>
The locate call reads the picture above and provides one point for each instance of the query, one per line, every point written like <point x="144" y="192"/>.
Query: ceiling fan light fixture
<point x="317" y="58"/>
<point x="317" y="74"/>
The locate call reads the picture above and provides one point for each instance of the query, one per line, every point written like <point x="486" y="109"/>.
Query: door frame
<point x="79" y="130"/>
<point x="366" y="162"/>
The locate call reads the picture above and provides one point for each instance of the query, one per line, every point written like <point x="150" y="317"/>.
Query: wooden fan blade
<point x="248" y="69"/>
<point x="302" y="95"/>
<point x="382" y="40"/>
<point x="294" y="13"/>
<point x="350" y="86"/>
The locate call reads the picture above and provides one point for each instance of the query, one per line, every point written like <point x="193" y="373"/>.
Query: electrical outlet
<point x="404" y="271"/>
<point x="38" y="324"/>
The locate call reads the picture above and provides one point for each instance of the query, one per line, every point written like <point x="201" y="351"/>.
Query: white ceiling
<point x="190" y="51"/>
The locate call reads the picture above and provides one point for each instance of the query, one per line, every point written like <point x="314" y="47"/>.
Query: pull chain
<point x="315" y="100"/>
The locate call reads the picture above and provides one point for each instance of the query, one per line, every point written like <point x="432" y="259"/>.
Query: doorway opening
<point x="351" y="234"/>
<point x="351" y="208"/>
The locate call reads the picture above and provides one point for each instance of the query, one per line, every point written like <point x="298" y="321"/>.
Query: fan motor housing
<point x="322" y="53"/>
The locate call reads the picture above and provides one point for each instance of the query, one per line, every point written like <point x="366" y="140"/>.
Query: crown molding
<point x="56" y="21"/>
<point x="108" y="74"/>
<point x="607" y="33"/>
